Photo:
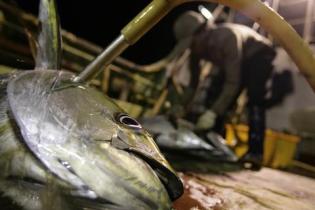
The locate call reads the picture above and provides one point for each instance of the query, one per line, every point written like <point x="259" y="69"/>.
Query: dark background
<point x="100" y="22"/>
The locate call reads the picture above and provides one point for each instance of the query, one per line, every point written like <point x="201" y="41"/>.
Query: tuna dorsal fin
<point x="49" y="38"/>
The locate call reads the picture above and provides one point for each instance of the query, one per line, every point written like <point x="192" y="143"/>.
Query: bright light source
<point x="205" y="12"/>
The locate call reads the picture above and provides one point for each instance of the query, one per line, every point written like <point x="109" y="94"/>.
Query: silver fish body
<point x="79" y="143"/>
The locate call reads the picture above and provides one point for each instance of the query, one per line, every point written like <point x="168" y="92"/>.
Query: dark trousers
<point x="257" y="71"/>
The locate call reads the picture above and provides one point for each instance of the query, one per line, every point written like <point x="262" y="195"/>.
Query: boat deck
<point x="234" y="190"/>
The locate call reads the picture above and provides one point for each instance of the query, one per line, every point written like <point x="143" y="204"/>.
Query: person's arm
<point x="231" y="56"/>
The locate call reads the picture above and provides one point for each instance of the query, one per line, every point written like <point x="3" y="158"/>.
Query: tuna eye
<point x="128" y="121"/>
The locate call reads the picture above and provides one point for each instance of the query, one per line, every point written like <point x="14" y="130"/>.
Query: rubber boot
<point x="254" y="156"/>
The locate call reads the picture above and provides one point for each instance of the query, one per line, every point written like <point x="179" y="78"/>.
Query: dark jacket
<point x="227" y="46"/>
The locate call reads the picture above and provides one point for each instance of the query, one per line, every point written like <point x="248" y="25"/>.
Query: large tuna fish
<point x="74" y="148"/>
<point x="67" y="146"/>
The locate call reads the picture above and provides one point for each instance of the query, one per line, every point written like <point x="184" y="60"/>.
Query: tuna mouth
<point x="158" y="164"/>
<point x="169" y="179"/>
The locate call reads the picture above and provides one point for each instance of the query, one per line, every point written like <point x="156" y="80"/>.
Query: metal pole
<point x="307" y="33"/>
<point x="275" y="5"/>
<point x="104" y="59"/>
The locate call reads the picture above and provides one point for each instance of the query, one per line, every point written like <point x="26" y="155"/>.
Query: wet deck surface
<point x="266" y="189"/>
<point x="197" y="195"/>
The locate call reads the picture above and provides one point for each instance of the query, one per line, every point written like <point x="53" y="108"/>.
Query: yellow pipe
<point x="272" y="22"/>
<point x="147" y="18"/>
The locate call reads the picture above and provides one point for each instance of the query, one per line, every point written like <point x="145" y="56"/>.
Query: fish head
<point x="84" y="139"/>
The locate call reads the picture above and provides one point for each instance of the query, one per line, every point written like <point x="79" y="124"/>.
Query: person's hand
<point x="206" y="120"/>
